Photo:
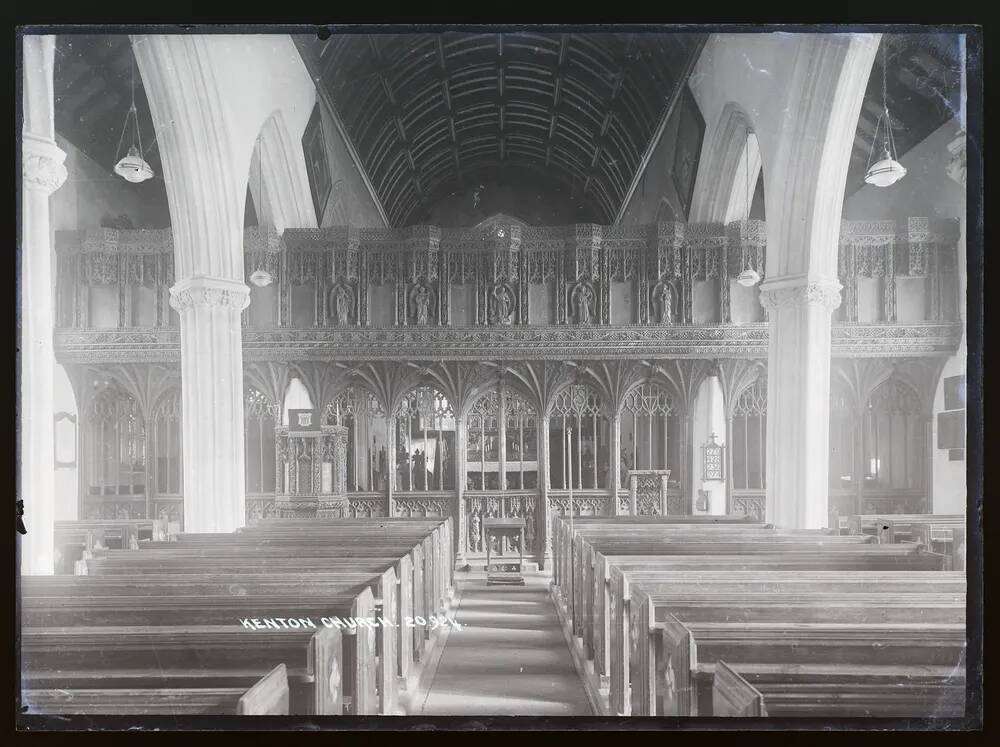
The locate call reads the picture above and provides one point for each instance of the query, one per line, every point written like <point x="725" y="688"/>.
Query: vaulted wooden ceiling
<point x="428" y="111"/>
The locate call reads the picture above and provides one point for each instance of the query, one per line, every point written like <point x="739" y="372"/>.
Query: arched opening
<point x="521" y="433"/>
<point x="367" y="451"/>
<point x="296" y="398"/>
<point x="425" y="441"/>
<point x="166" y="446"/>
<point x="893" y="446"/>
<point x="650" y="432"/>
<point x="519" y="441"/>
<point x="748" y="451"/>
<point x="583" y="463"/>
<point x="259" y="415"/>
<point x="878" y="456"/>
<point x="115" y="454"/>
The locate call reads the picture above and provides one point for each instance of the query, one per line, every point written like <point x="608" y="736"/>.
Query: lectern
<point x="504" y="571"/>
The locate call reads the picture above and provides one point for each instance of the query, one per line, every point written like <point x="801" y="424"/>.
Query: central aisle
<point x="508" y="659"/>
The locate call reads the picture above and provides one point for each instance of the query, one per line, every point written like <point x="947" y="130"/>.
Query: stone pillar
<point x="42" y="173"/>
<point x="544" y="484"/>
<point x="212" y="390"/>
<point x="206" y="153"/>
<point x="807" y="157"/>
<point x="798" y="395"/>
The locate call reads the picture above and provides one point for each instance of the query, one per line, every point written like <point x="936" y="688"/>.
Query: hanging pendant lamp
<point x="260" y="277"/>
<point x="886" y="171"/>
<point x="133" y="167"/>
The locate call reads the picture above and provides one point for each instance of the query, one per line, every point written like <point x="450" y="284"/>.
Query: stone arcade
<point x="452" y="249"/>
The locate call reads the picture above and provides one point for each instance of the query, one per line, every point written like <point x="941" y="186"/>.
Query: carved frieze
<point x="824" y="295"/>
<point x="510" y="343"/>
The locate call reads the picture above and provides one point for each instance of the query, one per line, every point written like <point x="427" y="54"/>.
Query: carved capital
<point x="825" y="295"/>
<point x="42" y="166"/>
<point x="210" y="293"/>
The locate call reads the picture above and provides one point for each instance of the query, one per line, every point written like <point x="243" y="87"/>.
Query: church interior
<point x="609" y="374"/>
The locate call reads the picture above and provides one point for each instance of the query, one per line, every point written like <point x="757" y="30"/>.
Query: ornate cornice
<point x="824" y="295"/>
<point x="848" y="340"/>
<point x="210" y="293"/>
<point x="42" y="166"/>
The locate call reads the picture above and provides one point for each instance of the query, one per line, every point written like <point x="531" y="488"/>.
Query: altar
<point x="504" y="571"/>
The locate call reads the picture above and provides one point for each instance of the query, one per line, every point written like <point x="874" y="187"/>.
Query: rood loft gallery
<point x="488" y="276"/>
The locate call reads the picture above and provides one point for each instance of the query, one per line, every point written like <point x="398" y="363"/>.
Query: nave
<point x="498" y="373"/>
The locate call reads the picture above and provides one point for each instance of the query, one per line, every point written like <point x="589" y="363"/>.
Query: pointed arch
<point x="287" y="199"/>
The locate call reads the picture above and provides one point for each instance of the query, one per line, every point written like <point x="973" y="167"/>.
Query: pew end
<point x="269" y="697"/>
<point x="733" y="696"/>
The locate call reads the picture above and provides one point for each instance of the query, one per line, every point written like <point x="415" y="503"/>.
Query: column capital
<point x="824" y="294"/>
<point x="206" y="291"/>
<point x="42" y="166"/>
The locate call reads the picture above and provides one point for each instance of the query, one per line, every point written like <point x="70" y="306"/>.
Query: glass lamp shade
<point x="748" y="278"/>
<point x="261" y="278"/>
<point x="885" y="173"/>
<point x="133" y="168"/>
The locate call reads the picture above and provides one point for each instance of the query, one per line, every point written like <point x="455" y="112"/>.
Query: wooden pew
<point x="691" y="649"/>
<point x="653" y="539"/>
<point x="227" y="599"/>
<point x="638" y="637"/>
<point x="433" y="554"/>
<point x="429" y="542"/>
<point x="882" y="525"/>
<point x="313" y="554"/>
<point x="267" y="697"/>
<point x="790" y="690"/>
<point x="433" y="536"/>
<point x="585" y="593"/>
<point x="185" y="657"/>
<point x="820" y="559"/>
<point x="73" y="538"/>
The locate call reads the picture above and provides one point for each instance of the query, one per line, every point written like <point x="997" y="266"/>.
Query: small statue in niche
<point x="501" y="304"/>
<point x="665" y="303"/>
<point x="529" y="529"/>
<point x="475" y="527"/>
<point x="342" y="302"/>
<point x="583" y="298"/>
<point x="421" y="304"/>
